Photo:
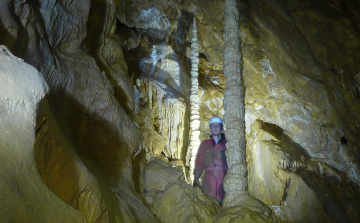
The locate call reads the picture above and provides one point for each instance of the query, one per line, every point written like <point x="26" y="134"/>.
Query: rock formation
<point x="194" y="102"/>
<point x="237" y="199"/>
<point x="172" y="199"/>
<point x="235" y="182"/>
<point x="118" y="77"/>
<point x="24" y="196"/>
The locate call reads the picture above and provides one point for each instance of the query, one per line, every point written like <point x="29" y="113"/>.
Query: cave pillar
<point x="235" y="182"/>
<point x="194" y="102"/>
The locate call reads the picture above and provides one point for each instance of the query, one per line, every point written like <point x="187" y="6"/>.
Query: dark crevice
<point x="343" y="140"/>
<point x="22" y="40"/>
<point x="129" y="37"/>
<point x="178" y="38"/>
<point x="286" y="190"/>
<point x="124" y="30"/>
<point x="202" y="55"/>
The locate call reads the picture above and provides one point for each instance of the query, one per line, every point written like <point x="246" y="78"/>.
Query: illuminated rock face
<point x="109" y="110"/>
<point x="162" y="121"/>
<point x="84" y="136"/>
<point x="297" y="111"/>
<point x="24" y="196"/>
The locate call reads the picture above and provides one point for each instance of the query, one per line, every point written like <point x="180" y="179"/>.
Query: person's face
<point x="216" y="128"/>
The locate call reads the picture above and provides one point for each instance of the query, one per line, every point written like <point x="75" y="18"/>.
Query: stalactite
<point x="194" y="101"/>
<point x="235" y="183"/>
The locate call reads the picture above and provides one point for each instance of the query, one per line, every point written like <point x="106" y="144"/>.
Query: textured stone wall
<point x="104" y="119"/>
<point x="297" y="107"/>
<point x="24" y="196"/>
<point x="167" y="113"/>
<point x="86" y="135"/>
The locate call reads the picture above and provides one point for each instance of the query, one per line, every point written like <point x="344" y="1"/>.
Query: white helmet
<point x="215" y="119"/>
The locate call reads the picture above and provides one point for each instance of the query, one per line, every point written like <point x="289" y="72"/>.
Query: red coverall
<point x="211" y="158"/>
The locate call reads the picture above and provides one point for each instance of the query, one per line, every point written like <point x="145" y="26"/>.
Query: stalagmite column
<point x="194" y="102"/>
<point x="235" y="183"/>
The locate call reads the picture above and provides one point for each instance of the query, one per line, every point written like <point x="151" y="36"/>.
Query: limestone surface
<point x="24" y="197"/>
<point x="172" y="199"/>
<point x="158" y="174"/>
<point x="119" y="78"/>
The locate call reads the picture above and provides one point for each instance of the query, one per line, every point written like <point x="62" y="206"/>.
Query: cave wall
<point x="302" y="119"/>
<point x="85" y="138"/>
<point x="119" y="80"/>
<point x="24" y="196"/>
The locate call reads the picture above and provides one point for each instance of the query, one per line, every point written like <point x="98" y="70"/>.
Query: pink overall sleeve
<point x="199" y="162"/>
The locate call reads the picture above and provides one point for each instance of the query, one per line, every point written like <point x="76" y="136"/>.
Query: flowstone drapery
<point x="194" y="101"/>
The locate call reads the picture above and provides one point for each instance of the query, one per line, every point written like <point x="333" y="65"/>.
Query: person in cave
<point x="211" y="158"/>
